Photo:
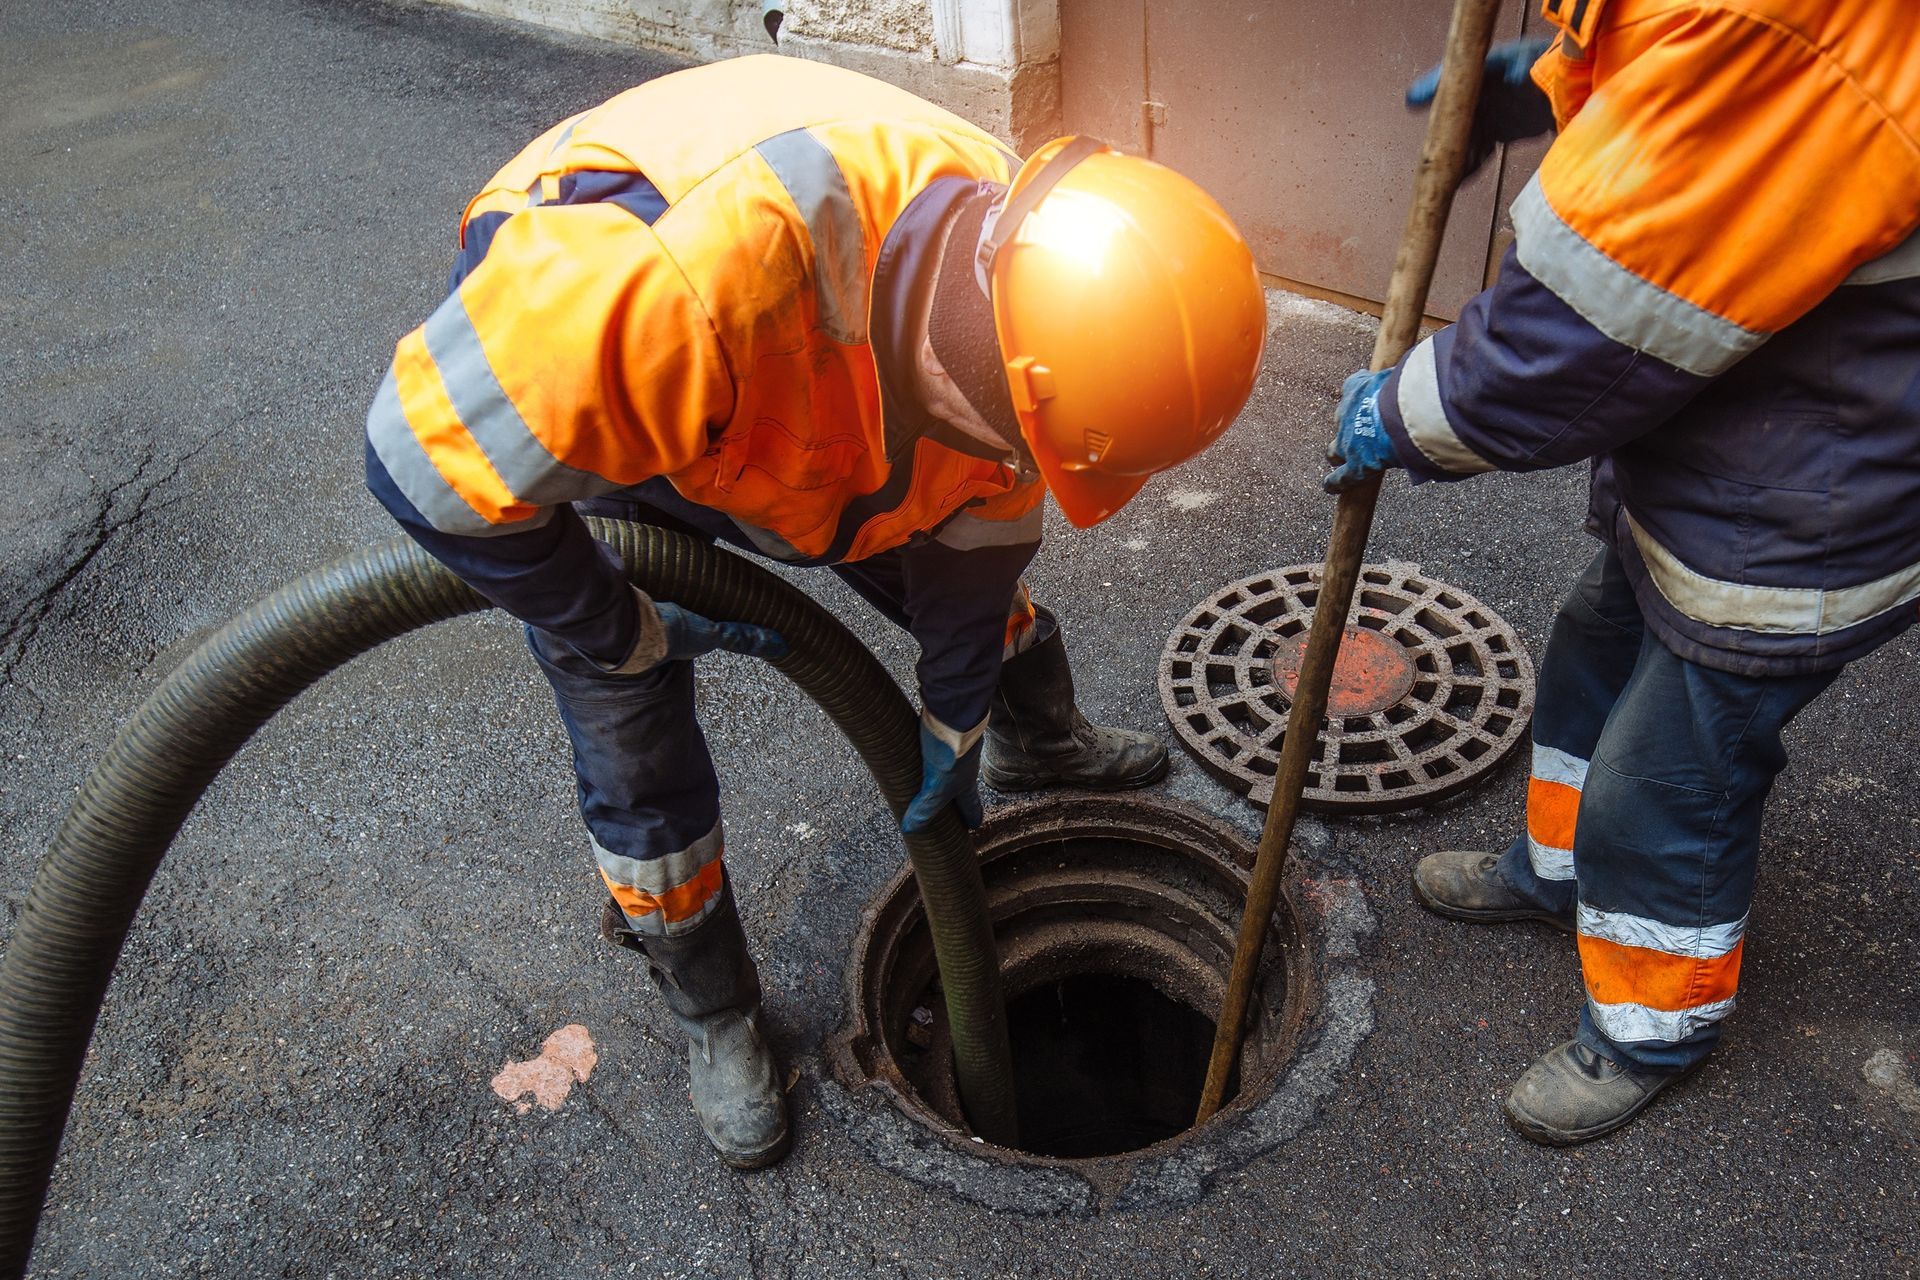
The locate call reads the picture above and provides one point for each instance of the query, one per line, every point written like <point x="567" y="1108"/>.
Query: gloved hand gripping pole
<point x="1442" y="161"/>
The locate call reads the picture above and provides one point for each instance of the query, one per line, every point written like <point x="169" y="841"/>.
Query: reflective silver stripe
<point x="400" y="453"/>
<point x="968" y="532"/>
<point x="1698" y="941"/>
<point x="531" y="472"/>
<point x="819" y="190"/>
<point x="1618" y="303"/>
<point x="655" y="924"/>
<point x="1630" y="1022"/>
<point x="1801" y="611"/>
<point x="660" y="875"/>
<point x="958" y="741"/>
<point x="1548" y="862"/>
<point x="1552" y="765"/>
<point x="768" y="543"/>
<point x="1902" y="262"/>
<point x="1425" y="417"/>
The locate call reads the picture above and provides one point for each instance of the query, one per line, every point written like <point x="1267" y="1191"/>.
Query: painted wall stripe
<point x="1770" y="610"/>
<point x="819" y="190"/>
<point x="1425" y="416"/>
<point x="1631" y="1022"/>
<point x="1630" y="310"/>
<point x="1700" y="941"/>
<point x="525" y="463"/>
<point x="658" y="875"/>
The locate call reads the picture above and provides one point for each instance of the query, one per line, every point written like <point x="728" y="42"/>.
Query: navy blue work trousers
<point x="646" y="781"/>
<point x="1643" y="819"/>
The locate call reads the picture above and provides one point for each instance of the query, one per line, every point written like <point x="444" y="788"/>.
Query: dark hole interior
<point x="1104" y="1064"/>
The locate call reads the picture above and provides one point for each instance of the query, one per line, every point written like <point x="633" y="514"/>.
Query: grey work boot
<point x="1572" y="1094"/>
<point x="711" y="988"/>
<point x="1036" y="736"/>
<point x="1465" y="884"/>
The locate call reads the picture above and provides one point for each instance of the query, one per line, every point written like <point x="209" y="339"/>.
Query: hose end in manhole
<point x="1116" y="919"/>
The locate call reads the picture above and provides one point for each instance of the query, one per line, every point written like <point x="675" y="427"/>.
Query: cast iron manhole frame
<point x="1465" y="710"/>
<point x="1327" y="1014"/>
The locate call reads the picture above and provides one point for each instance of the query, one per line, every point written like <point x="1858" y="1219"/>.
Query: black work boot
<point x="1465" y="884"/>
<point x="711" y="988"/>
<point x="1572" y="1094"/>
<point x="1036" y="736"/>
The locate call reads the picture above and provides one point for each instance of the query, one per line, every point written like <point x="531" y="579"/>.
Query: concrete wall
<point x="997" y="62"/>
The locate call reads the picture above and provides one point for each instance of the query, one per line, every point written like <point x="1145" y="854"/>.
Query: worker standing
<point x="787" y="306"/>
<point x="1714" y="294"/>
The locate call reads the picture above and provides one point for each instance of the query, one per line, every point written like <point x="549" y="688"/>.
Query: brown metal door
<point x="1290" y="112"/>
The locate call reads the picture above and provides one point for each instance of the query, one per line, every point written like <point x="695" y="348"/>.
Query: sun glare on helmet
<point x="1075" y="225"/>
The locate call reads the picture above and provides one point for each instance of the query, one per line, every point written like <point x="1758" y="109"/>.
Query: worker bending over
<point x="784" y="305"/>
<point x="1714" y="294"/>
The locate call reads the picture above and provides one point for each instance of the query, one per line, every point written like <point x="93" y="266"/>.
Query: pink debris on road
<point x="568" y="1055"/>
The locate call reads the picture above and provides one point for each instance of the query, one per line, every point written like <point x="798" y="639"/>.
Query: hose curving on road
<point x="91" y="882"/>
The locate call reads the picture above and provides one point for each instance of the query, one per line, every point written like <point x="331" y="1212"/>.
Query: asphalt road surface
<point x="219" y="218"/>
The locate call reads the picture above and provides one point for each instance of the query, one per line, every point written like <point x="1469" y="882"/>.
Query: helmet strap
<point x="961" y="330"/>
<point x="1005" y="219"/>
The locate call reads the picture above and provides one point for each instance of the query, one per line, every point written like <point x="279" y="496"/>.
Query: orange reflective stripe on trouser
<point x="667" y="895"/>
<point x="1021" y="619"/>
<point x="1553" y="809"/>
<point x="1647" y="980"/>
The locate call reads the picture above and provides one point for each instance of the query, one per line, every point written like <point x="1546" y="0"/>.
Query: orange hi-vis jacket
<point x="703" y="282"/>
<point x="1714" y="293"/>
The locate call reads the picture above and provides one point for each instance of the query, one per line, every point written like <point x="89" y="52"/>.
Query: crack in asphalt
<point x="108" y="520"/>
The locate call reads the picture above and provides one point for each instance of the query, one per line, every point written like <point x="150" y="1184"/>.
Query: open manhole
<point x="1432" y="688"/>
<point x="1116" y="920"/>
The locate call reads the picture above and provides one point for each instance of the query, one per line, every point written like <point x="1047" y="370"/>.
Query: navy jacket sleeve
<point x="1523" y="382"/>
<point x="555" y="576"/>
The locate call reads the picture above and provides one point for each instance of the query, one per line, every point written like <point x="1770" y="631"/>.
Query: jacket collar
<point x="903" y="282"/>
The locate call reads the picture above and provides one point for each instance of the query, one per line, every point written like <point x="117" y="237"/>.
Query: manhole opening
<point x="1116" y="920"/>
<point x="1104" y="1064"/>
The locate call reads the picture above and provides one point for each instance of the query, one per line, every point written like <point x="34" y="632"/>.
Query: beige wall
<point x="883" y="24"/>
<point x="995" y="62"/>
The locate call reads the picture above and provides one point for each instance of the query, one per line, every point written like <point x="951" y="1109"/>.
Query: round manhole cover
<point x="1432" y="688"/>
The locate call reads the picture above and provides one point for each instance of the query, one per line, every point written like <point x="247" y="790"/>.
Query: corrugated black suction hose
<point x="91" y="882"/>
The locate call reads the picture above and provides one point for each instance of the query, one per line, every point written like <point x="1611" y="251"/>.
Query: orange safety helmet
<point x="1130" y="319"/>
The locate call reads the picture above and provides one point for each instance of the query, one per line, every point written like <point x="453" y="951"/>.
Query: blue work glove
<point x="688" y="635"/>
<point x="949" y="771"/>
<point x="1511" y="105"/>
<point x="1362" y="448"/>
